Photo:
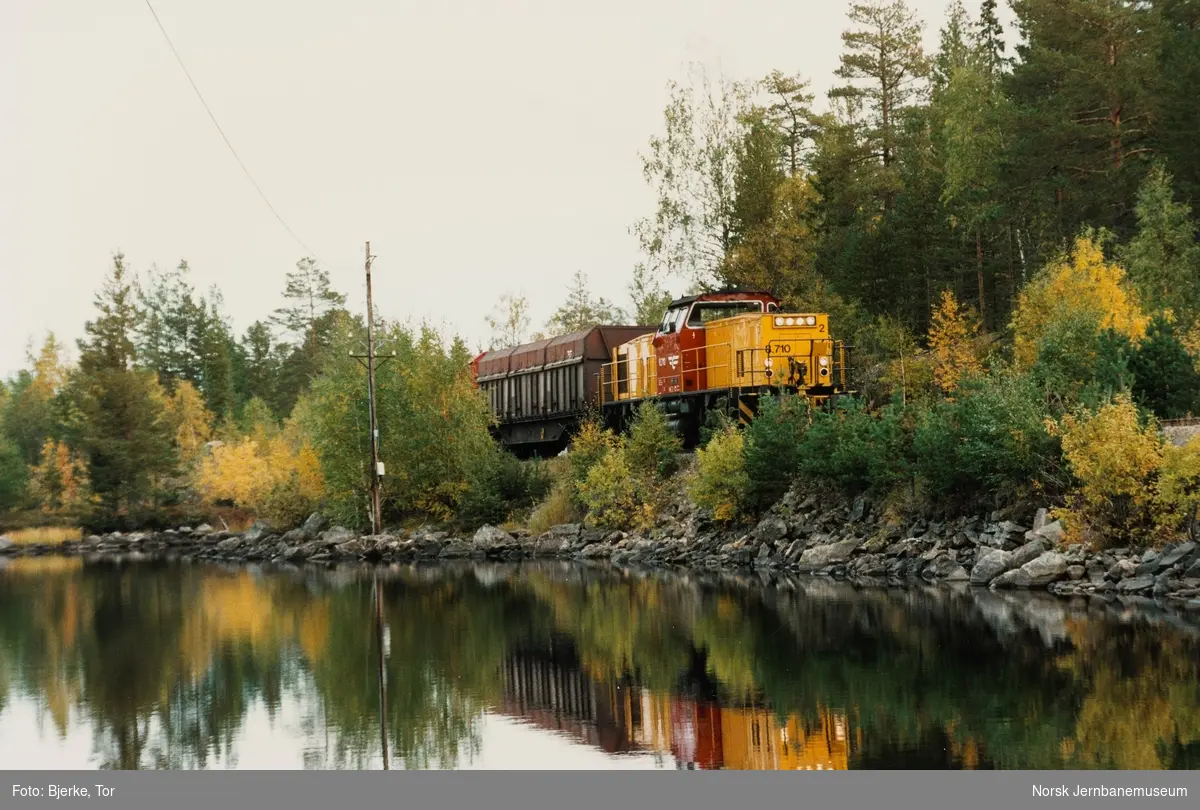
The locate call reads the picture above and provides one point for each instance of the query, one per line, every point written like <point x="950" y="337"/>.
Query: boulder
<point x="1141" y="582"/>
<point x="336" y="536"/>
<point x="203" y="528"/>
<point x="1047" y="568"/>
<point x="771" y="530"/>
<point x="1177" y="554"/>
<point x="1040" y="518"/>
<point x="1029" y="552"/>
<point x="1052" y="532"/>
<point x="353" y="548"/>
<point x="1121" y="569"/>
<point x="1076" y="572"/>
<point x="990" y="565"/>
<point x="827" y="555"/>
<point x="5" y="542"/>
<point x="315" y="524"/>
<point x="296" y="537"/>
<point x="861" y="508"/>
<point x="1194" y="570"/>
<point x="1016" y="578"/>
<point x="229" y="544"/>
<point x="257" y="531"/>
<point x="489" y="537"/>
<point x="456" y="548"/>
<point x="959" y="574"/>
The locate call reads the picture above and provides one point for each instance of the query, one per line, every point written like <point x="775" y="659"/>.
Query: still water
<point x="175" y="665"/>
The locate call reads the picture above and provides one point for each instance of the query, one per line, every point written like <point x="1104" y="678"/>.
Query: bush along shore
<point x="799" y="534"/>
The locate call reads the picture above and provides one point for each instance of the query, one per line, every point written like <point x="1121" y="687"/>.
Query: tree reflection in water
<point x="164" y="665"/>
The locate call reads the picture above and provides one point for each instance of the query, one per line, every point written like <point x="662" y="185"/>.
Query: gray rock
<point x="296" y="537"/>
<point x="959" y="574"/>
<point x="1076" y="572"/>
<point x="1045" y="569"/>
<point x="353" y="548"/>
<point x="827" y="555"/>
<point x="991" y="565"/>
<point x="1194" y="570"/>
<point x="1040" y="518"/>
<point x="1150" y="555"/>
<point x="336" y="536"/>
<point x="1016" y="578"/>
<point x="229" y="545"/>
<point x="5" y="542"/>
<point x="1177" y="554"/>
<point x="1028" y="552"/>
<point x="860" y="510"/>
<point x="315" y="524"/>
<point x="489" y="537"/>
<point x="256" y="531"/>
<point x="1141" y="582"/>
<point x="1051" y="532"/>
<point x="771" y="529"/>
<point x="1121" y="569"/>
<point x="203" y="528"/>
<point x="456" y="548"/>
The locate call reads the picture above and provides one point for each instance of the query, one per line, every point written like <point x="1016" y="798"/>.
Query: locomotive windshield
<point x="705" y="311"/>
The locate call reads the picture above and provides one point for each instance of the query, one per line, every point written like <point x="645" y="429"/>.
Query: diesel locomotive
<point x="713" y="352"/>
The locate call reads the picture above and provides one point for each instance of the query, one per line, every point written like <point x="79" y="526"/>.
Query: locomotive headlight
<point x="789" y="321"/>
<point x="768" y="362"/>
<point x="824" y="361"/>
<point x="779" y="321"/>
<point x="811" y="321"/>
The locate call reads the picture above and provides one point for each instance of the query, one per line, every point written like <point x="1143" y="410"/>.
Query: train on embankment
<point x="713" y="352"/>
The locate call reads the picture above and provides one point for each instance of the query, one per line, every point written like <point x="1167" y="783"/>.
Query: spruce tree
<point x="125" y="436"/>
<point x="1165" y="378"/>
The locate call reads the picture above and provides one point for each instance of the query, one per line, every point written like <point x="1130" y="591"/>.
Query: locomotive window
<point x="670" y="321"/>
<point x="706" y="311"/>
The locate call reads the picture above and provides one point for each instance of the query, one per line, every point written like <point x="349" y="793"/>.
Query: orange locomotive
<point x="718" y="351"/>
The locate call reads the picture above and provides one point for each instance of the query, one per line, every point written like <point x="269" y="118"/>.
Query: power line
<point x="224" y="137"/>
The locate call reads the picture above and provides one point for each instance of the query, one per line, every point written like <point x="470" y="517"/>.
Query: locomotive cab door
<point x="668" y="345"/>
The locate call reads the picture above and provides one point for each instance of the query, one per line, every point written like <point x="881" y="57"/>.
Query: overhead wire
<point x="225" y="138"/>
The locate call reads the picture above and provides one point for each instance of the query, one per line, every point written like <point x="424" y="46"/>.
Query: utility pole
<point x="376" y="469"/>
<point x="375" y="517"/>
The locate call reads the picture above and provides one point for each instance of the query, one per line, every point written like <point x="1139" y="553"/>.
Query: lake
<point x="171" y="664"/>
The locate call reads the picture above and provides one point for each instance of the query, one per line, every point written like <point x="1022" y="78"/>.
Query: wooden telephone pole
<point x="376" y="468"/>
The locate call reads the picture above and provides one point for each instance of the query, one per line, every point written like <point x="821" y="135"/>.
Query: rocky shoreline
<point x="798" y="535"/>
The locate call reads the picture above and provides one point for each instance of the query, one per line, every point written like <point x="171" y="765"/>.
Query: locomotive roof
<point x="687" y="299"/>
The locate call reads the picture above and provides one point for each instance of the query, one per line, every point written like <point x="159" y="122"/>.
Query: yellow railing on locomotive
<point x="611" y="389"/>
<point x="777" y="349"/>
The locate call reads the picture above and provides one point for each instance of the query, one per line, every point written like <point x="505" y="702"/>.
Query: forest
<point x="1003" y="229"/>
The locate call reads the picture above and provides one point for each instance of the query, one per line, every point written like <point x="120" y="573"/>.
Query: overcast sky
<point x="481" y="147"/>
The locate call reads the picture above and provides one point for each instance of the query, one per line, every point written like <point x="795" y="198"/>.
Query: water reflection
<point x="161" y="664"/>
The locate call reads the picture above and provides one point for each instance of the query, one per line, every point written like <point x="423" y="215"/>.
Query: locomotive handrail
<point x="613" y="380"/>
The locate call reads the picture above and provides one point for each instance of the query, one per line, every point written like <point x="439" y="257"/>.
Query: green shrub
<point x="991" y="438"/>
<point x="589" y="446"/>
<point x="854" y="450"/>
<point x="498" y="484"/>
<point x="1165" y="378"/>
<point x="13" y="477"/>
<point x="610" y="492"/>
<point x="288" y="503"/>
<point x="653" y="447"/>
<point x="772" y="448"/>
<point x="720" y="483"/>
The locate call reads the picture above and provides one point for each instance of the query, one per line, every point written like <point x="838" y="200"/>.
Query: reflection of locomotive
<point x="712" y="352"/>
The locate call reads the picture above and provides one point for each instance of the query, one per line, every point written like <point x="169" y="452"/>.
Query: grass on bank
<point x="44" y="535"/>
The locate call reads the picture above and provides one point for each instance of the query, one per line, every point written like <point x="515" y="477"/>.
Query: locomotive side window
<point x="705" y="311"/>
<point x="671" y="321"/>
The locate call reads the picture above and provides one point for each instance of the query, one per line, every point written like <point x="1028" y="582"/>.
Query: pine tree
<point x="581" y="310"/>
<point x="1164" y="376"/>
<point x="885" y="67"/>
<point x="311" y="295"/>
<point x="260" y="363"/>
<point x="1163" y="258"/>
<point x="955" y="50"/>
<point x="125" y="436"/>
<point x="758" y="175"/>
<point x="989" y="40"/>
<point x="790" y="112"/>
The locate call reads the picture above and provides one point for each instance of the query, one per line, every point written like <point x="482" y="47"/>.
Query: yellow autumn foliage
<point x="1115" y="459"/>
<point x="59" y="481"/>
<point x="193" y="422"/>
<point x="1177" y="494"/>
<point x="720" y="482"/>
<point x="1083" y="283"/>
<point x="952" y="343"/>
<point x="256" y="473"/>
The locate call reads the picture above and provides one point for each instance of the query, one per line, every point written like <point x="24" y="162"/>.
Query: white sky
<point x="481" y="147"/>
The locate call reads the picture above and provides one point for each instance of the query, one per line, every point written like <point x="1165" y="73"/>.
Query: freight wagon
<point x="715" y="352"/>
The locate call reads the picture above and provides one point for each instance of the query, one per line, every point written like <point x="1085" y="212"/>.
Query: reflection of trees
<point x="165" y="663"/>
<point x="1141" y="708"/>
